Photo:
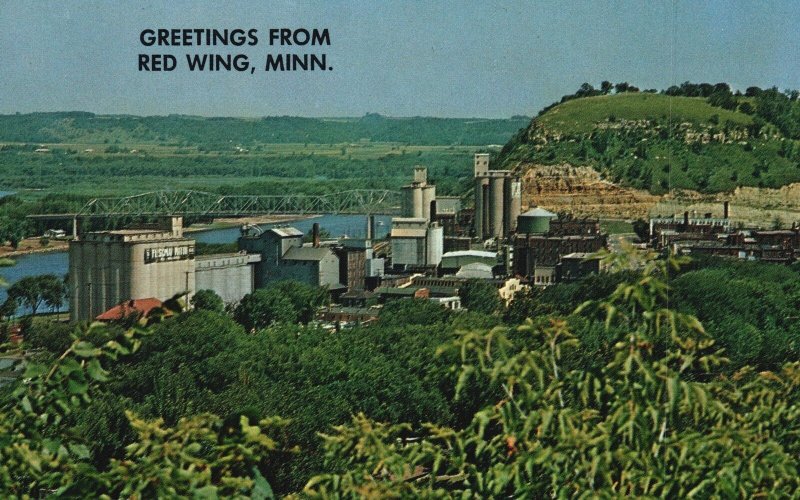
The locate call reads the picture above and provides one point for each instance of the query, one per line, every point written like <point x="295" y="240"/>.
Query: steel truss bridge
<point x="203" y="204"/>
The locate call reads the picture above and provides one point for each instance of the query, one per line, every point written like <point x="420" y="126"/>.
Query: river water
<point x="57" y="263"/>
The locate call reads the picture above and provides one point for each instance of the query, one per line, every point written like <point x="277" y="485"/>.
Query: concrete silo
<point x="496" y="202"/>
<point x="427" y="194"/>
<point x="412" y="201"/>
<point x="514" y="201"/>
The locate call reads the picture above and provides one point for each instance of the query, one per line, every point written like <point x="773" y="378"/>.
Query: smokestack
<point x="315" y="235"/>
<point x="726" y="207"/>
<point x="433" y="210"/>
<point x="686" y="218"/>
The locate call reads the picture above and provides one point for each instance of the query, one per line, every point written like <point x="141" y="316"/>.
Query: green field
<point x="82" y="154"/>
<point x="267" y="168"/>
<point x="56" y="162"/>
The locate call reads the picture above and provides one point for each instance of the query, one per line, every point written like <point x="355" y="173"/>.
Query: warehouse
<point x="107" y="268"/>
<point x="284" y="257"/>
<point x="452" y="261"/>
<point x="229" y="275"/>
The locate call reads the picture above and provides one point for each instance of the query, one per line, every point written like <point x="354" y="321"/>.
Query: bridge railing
<point x="199" y="203"/>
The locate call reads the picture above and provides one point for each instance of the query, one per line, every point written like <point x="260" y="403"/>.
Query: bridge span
<point x="190" y="203"/>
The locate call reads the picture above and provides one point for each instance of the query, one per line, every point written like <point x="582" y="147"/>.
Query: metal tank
<point x="535" y="221"/>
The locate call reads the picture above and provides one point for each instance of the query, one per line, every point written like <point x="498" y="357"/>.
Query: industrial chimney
<point x="726" y="207"/>
<point x="315" y="235"/>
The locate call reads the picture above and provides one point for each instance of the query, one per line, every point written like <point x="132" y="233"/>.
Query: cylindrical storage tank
<point x="428" y="195"/>
<point x="412" y="201"/>
<point x="496" y="206"/>
<point x="478" y="216"/>
<point x="407" y="201"/>
<point x="418" y="212"/>
<point x="486" y="209"/>
<point x="535" y="221"/>
<point x="507" y="206"/>
<point x="434" y="245"/>
<point x="516" y="203"/>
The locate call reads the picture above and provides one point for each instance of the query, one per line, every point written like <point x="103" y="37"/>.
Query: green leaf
<point x="96" y="371"/>
<point x="206" y="493"/>
<point x="85" y="349"/>
<point x="261" y="487"/>
<point x="79" y="451"/>
<point x="77" y="386"/>
<point x="26" y="405"/>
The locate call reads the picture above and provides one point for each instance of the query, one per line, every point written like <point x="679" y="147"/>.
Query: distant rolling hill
<point x="218" y="133"/>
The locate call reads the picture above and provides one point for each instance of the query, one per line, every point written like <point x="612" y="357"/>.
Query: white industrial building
<point x="229" y="275"/>
<point x="110" y="267"/>
<point x="416" y="242"/>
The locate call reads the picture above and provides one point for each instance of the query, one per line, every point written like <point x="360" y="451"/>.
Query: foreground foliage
<point x="623" y="396"/>
<point x="656" y="420"/>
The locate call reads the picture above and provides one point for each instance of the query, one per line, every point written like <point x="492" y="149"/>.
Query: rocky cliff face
<point x="582" y="191"/>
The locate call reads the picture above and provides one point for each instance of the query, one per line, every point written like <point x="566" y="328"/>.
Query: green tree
<point x="652" y="420"/>
<point x="480" y="296"/>
<point x="264" y="307"/>
<point x="642" y="229"/>
<point x="9" y="308"/>
<point x="305" y="299"/>
<point x="53" y="291"/>
<point x="402" y="312"/>
<point x="33" y="291"/>
<point x="207" y="300"/>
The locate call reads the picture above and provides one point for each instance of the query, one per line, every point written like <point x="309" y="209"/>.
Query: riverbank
<point x="227" y="223"/>
<point x="30" y="246"/>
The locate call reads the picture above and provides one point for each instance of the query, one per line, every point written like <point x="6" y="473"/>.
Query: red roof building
<point x="139" y="308"/>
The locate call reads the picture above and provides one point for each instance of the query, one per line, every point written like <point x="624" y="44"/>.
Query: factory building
<point x="357" y="262"/>
<point x="417" y="240"/>
<point x="418" y="196"/>
<point x="544" y="242"/>
<point x="284" y="257"/>
<point x="229" y="275"/>
<point x="416" y="243"/>
<point x="453" y="261"/>
<point x="110" y="269"/>
<point x="498" y="200"/>
<point x="107" y="268"/>
<point x="665" y="230"/>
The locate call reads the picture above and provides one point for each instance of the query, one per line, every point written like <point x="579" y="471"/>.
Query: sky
<point x="446" y="59"/>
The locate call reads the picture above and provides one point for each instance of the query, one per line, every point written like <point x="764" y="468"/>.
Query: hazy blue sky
<point x="492" y="59"/>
